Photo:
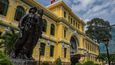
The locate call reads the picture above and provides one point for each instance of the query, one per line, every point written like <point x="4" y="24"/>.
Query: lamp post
<point x="106" y="45"/>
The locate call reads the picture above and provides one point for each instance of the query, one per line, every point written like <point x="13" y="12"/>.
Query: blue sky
<point x="111" y="45"/>
<point x="88" y="9"/>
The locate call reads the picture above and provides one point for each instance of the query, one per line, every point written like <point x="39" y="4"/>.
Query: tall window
<point x="51" y="51"/>
<point x="65" y="14"/>
<point x="52" y="32"/>
<point x="44" y="25"/>
<point x="74" y="45"/>
<point x="65" y="32"/>
<point x="3" y="7"/>
<point x="42" y="49"/>
<point x="65" y="52"/>
<point x="76" y="24"/>
<point x="82" y="28"/>
<point x="0" y="33"/>
<point x="19" y="13"/>
<point x="71" y="20"/>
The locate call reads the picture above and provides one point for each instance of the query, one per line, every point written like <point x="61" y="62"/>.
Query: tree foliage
<point x="79" y="64"/>
<point x="8" y="39"/>
<point x="112" y="57"/>
<point x="98" y="29"/>
<point x="103" y="57"/>
<point x="58" y="61"/>
<point x="45" y="63"/>
<point x="88" y="63"/>
<point x="4" y="60"/>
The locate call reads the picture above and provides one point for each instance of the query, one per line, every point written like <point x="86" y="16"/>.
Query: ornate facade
<point x="63" y="34"/>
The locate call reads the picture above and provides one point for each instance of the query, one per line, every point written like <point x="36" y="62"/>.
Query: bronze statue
<point x="31" y="30"/>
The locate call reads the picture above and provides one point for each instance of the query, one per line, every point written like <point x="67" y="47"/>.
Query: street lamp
<point x="106" y="40"/>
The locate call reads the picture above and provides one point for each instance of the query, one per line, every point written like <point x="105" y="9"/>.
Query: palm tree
<point x="8" y="39"/>
<point x="4" y="60"/>
<point x="100" y="31"/>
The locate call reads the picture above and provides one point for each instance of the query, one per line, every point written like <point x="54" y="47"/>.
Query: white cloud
<point x="81" y="4"/>
<point x="88" y="9"/>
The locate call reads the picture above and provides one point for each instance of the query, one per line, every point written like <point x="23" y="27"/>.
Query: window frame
<point x="65" y="52"/>
<point x="65" y="14"/>
<point x="52" y="30"/>
<point x="44" y="25"/>
<point x="52" y="50"/>
<point x="42" y="49"/>
<point x="4" y="6"/>
<point x="21" y="10"/>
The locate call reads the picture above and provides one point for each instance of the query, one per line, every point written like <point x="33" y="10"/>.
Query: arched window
<point x="51" y="51"/>
<point x="3" y="7"/>
<point x="73" y="43"/>
<point x="44" y="25"/>
<point x="19" y="13"/>
<point x="52" y="31"/>
<point x="42" y="49"/>
<point x="65" y="32"/>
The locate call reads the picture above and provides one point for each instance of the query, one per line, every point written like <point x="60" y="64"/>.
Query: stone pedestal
<point x="24" y="62"/>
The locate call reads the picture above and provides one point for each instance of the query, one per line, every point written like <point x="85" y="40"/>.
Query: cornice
<point x="61" y="3"/>
<point x="61" y="19"/>
<point x="89" y="39"/>
<point x="47" y="12"/>
<point x="53" y="39"/>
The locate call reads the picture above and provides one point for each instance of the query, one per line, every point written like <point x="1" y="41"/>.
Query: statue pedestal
<point x="24" y="62"/>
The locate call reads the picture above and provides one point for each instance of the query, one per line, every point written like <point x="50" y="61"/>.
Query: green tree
<point x="4" y="60"/>
<point x="45" y="63"/>
<point x="79" y="64"/>
<point x="89" y="63"/>
<point x="102" y="56"/>
<point x="8" y="39"/>
<point x="58" y="61"/>
<point x="112" y="57"/>
<point x="100" y="31"/>
<point x="96" y="64"/>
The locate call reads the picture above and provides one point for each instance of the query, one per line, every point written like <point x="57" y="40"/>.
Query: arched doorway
<point x="4" y="4"/>
<point x="73" y="50"/>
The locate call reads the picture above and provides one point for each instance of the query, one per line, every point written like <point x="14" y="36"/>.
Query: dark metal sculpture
<point x="31" y="30"/>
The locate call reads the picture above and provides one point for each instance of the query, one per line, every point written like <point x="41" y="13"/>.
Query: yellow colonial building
<point x="63" y="32"/>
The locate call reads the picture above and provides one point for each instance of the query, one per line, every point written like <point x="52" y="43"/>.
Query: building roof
<point x="62" y="3"/>
<point x="38" y="5"/>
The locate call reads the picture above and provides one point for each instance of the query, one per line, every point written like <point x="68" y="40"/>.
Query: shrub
<point x="8" y="39"/>
<point x="58" y="61"/>
<point x="4" y="60"/>
<point x="89" y="63"/>
<point x="96" y="64"/>
<point x="45" y="63"/>
<point x="79" y="64"/>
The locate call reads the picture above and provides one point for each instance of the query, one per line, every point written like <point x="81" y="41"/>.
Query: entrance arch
<point x="73" y="50"/>
<point x="74" y="45"/>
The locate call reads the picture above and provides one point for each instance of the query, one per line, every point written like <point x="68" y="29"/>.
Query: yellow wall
<point x="58" y="40"/>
